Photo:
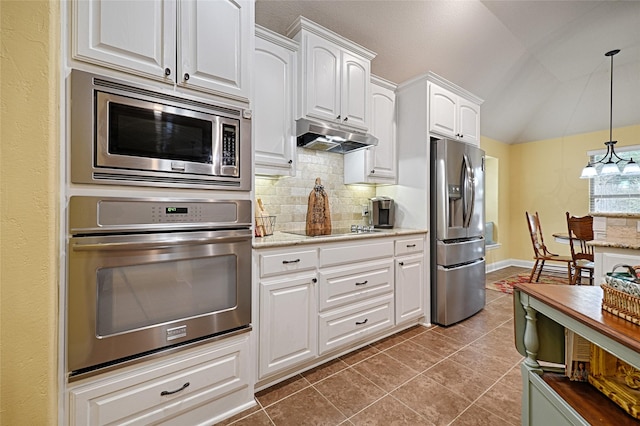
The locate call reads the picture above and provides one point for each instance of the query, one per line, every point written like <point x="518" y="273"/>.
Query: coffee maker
<point x="381" y="212"/>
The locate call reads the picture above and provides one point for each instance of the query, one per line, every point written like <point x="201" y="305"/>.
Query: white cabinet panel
<point x="288" y="322"/>
<point x="201" y="44"/>
<point x="605" y="258"/>
<point x="442" y="111"/>
<point x="132" y="35"/>
<point x="322" y="89"/>
<point x="215" y="45"/>
<point x="453" y="116"/>
<point x="355" y="90"/>
<point x="274" y="83"/>
<point x="355" y="252"/>
<point x="192" y="389"/>
<point x="344" y="285"/>
<point x="376" y="164"/>
<point x="346" y="325"/>
<point x="334" y="76"/>
<point x="409" y="288"/>
<point x="288" y="260"/>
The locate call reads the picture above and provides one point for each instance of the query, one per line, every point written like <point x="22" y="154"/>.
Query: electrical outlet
<point x="365" y="210"/>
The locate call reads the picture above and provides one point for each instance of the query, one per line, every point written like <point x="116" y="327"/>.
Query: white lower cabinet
<point x="319" y="300"/>
<point x="201" y="386"/>
<point x="340" y="327"/>
<point x="605" y="258"/>
<point x="409" y="279"/>
<point x="288" y="322"/>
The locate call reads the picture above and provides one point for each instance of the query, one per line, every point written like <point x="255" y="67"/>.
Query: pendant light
<point x="611" y="161"/>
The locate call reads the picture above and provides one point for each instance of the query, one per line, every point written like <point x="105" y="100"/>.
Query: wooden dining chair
<point x="540" y="251"/>
<point x="580" y="231"/>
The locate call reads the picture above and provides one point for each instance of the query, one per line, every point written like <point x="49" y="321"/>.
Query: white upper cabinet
<point x="201" y="44"/>
<point x="453" y="115"/>
<point x="215" y="47"/>
<point x="377" y="164"/>
<point x="334" y="76"/>
<point x="274" y="85"/>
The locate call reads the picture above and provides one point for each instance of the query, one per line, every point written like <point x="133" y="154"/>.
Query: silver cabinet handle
<point x="163" y="393"/>
<point x="362" y="322"/>
<point x="363" y="283"/>
<point x="284" y="262"/>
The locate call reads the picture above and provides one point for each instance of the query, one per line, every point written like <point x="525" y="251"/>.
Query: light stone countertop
<point x="620" y="215"/>
<point x="284" y="239"/>
<point x="632" y="243"/>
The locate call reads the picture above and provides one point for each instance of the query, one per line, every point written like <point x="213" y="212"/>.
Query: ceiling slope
<point x="539" y="65"/>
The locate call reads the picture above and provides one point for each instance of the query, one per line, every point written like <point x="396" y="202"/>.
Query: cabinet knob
<point x="314" y="280"/>
<point x="338" y="118"/>
<point x="186" y="76"/>
<point x="373" y="171"/>
<point x="290" y="161"/>
<point x="345" y="119"/>
<point x="167" y="71"/>
<point x="401" y="263"/>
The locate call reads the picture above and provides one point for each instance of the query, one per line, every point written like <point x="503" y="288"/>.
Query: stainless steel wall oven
<point x="131" y="134"/>
<point x="148" y="275"/>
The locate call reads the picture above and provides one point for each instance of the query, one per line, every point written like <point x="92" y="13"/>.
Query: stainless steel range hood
<point x="331" y="137"/>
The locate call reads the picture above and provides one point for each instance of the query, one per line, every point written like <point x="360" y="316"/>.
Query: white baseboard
<point x="495" y="266"/>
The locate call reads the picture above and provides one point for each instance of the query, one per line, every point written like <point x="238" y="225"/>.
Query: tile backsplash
<point x="287" y="198"/>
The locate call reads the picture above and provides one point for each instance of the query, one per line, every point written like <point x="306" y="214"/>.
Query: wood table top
<point x="584" y="304"/>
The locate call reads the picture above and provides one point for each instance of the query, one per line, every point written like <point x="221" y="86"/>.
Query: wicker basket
<point x="622" y="294"/>
<point x="622" y="304"/>
<point x="265" y="225"/>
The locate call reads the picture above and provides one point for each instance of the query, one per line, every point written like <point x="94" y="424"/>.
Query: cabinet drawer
<point x="290" y="261"/>
<point x="409" y="245"/>
<point x="340" y="255"/>
<point x="349" y="324"/>
<point x="342" y="286"/>
<point x="169" y="390"/>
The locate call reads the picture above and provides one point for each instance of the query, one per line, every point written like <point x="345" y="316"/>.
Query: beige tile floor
<point x="466" y="374"/>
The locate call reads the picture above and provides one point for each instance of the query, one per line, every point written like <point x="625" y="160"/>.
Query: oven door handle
<point x="159" y="244"/>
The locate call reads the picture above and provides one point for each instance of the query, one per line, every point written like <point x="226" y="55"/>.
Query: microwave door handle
<point x="161" y="244"/>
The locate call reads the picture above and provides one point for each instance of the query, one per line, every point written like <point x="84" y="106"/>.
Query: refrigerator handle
<point x="468" y="186"/>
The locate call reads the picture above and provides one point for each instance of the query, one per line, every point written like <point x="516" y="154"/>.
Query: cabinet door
<point x="442" y="111"/>
<point x="215" y="46"/>
<point x="131" y="36"/>
<point x="321" y="77"/>
<point x="468" y="121"/>
<point x="382" y="158"/>
<point x="409" y="288"/>
<point x="288" y="322"/>
<point x="354" y="91"/>
<point x="273" y="124"/>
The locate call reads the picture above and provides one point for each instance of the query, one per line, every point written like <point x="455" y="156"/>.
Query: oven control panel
<point x="91" y="214"/>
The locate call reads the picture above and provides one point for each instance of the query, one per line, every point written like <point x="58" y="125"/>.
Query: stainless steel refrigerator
<point x="457" y="231"/>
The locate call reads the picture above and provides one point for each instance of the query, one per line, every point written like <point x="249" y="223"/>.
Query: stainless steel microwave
<point x="130" y="134"/>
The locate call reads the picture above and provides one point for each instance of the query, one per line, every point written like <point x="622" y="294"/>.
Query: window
<point x="617" y="193"/>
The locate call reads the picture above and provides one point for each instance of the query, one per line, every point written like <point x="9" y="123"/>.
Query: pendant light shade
<point x="611" y="163"/>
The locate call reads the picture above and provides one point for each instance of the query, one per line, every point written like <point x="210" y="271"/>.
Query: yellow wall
<point x="29" y="128"/>
<point x="501" y="152"/>
<point x="544" y="177"/>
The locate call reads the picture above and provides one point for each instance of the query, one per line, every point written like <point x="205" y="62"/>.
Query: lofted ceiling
<point x="539" y="65"/>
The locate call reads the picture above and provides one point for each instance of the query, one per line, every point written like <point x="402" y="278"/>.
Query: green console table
<point x="541" y="313"/>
